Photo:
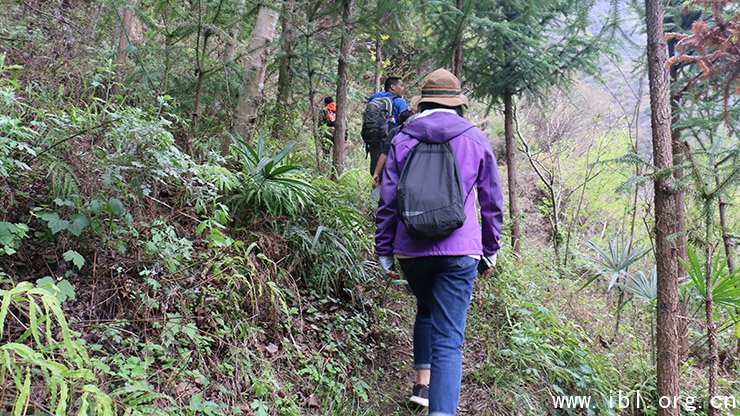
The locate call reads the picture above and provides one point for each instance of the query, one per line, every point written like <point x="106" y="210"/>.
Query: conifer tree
<point x="515" y="47"/>
<point x="666" y="221"/>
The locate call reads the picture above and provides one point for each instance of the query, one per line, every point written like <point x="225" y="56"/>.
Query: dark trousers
<point x="374" y="150"/>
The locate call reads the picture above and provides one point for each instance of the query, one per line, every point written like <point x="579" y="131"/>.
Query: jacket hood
<point x="437" y="127"/>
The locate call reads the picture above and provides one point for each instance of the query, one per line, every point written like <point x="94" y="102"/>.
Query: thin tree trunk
<point x="127" y="17"/>
<point x="726" y="237"/>
<point x="285" y="73"/>
<point x="727" y="242"/>
<point x="201" y="41"/>
<point x="318" y="137"/>
<point x="713" y="371"/>
<point x="678" y="157"/>
<point x="666" y="221"/>
<point x="378" y="62"/>
<point x="230" y="48"/>
<point x="342" y="74"/>
<point x="457" y="50"/>
<point x="255" y="67"/>
<point x="511" y="169"/>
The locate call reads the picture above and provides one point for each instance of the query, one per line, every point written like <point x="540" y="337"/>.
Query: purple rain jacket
<point x="478" y="172"/>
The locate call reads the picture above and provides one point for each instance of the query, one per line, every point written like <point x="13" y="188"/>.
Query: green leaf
<point x="10" y="232"/>
<point x="202" y="226"/>
<point x="78" y="224"/>
<point x="116" y="206"/>
<point x="66" y="288"/>
<point x="75" y="257"/>
<point x="53" y="221"/>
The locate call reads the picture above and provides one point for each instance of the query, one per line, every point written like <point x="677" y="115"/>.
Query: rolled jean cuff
<point x="422" y="366"/>
<point x="440" y="414"/>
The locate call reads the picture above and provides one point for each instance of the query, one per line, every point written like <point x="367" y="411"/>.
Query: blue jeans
<point x="443" y="286"/>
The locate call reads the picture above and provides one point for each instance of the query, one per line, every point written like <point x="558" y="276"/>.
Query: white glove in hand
<point x="490" y="260"/>
<point x="386" y="263"/>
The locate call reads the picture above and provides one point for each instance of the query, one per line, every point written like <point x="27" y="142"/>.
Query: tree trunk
<point x="511" y="169"/>
<point x="255" y="67"/>
<point x="726" y="237"/>
<point x="378" y="62"/>
<point x="666" y="221"/>
<point x="201" y="42"/>
<point x="713" y="371"/>
<point x="230" y="48"/>
<point x="285" y="74"/>
<point x="340" y="129"/>
<point x="678" y="157"/>
<point x="317" y="136"/>
<point x="457" y="50"/>
<point x="124" y="35"/>
<point x="728" y="243"/>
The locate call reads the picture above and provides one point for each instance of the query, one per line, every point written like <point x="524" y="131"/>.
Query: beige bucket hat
<point x="441" y="87"/>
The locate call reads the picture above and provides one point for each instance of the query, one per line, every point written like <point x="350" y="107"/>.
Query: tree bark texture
<point x="511" y="169"/>
<point x="255" y="67"/>
<point x="666" y="220"/>
<point x="340" y="130"/>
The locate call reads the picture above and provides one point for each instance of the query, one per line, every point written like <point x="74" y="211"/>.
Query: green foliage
<point x="641" y="286"/>
<point x="725" y="289"/>
<point x="267" y="184"/>
<point x="528" y="46"/>
<point x="48" y="371"/>
<point x="62" y="289"/>
<point x="614" y="261"/>
<point x="167" y="247"/>
<point x="532" y="353"/>
<point x="10" y="236"/>
<point x="15" y="137"/>
<point x="332" y="248"/>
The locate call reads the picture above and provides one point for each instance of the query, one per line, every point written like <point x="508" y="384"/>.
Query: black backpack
<point x="429" y="195"/>
<point x="375" y="119"/>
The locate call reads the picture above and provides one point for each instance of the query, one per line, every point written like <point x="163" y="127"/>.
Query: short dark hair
<point x="405" y="114"/>
<point x="328" y="99"/>
<point x="391" y="81"/>
<point x="429" y="106"/>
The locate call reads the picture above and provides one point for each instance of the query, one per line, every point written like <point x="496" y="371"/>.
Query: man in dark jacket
<point x="386" y="145"/>
<point x="441" y="271"/>
<point x="394" y="88"/>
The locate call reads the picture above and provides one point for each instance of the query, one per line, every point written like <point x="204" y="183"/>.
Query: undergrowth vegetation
<point x="153" y="262"/>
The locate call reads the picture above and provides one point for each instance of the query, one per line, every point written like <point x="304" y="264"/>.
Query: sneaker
<point x="420" y="395"/>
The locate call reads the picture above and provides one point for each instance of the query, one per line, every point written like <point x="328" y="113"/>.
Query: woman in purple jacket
<point x="441" y="272"/>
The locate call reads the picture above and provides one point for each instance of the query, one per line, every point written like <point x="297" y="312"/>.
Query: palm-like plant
<point x="269" y="184"/>
<point x="614" y="261"/>
<point x="642" y="286"/>
<point x="725" y="285"/>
